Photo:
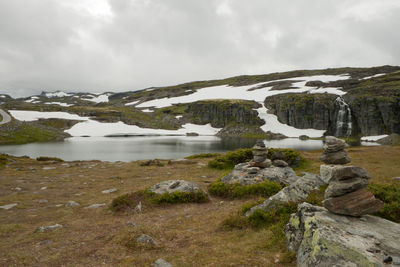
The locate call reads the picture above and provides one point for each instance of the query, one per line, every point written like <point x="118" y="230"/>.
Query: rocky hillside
<point x="340" y="102"/>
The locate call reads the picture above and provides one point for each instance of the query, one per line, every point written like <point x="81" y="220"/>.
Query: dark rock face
<point x="221" y="113"/>
<point x="375" y="115"/>
<point x="303" y="110"/>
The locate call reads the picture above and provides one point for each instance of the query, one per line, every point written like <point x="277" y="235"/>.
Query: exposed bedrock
<point x="354" y="114"/>
<point x="222" y="113"/>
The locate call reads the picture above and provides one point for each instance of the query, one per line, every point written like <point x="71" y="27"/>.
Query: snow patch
<point x="272" y="124"/>
<point x="243" y="93"/>
<point x="373" y="138"/>
<point x="178" y="116"/>
<point x="147" y="110"/>
<point x="95" y="128"/>
<point x="27" y="115"/>
<point x="132" y="103"/>
<point x="59" y="103"/>
<point x="56" y="94"/>
<point x="32" y="99"/>
<point x="373" y="76"/>
<point x="98" y="98"/>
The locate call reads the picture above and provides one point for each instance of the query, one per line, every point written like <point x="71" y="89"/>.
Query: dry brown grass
<point x="187" y="234"/>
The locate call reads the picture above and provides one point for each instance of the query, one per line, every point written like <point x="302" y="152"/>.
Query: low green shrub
<point x="315" y="197"/>
<point x="203" y="155"/>
<point x="177" y="197"/>
<point x="264" y="189"/>
<point x="231" y="158"/>
<point x="122" y="202"/>
<point x="49" y="159"/>
<point x="247" y="206"/>
<point x="149" y="199"/>
<point x="390" y="196"/>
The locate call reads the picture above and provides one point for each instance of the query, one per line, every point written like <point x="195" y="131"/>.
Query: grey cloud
<point x="48" y="45"/>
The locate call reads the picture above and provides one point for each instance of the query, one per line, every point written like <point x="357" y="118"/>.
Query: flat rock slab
<point x="356" y="203"/>
<point x="172" y="186"/>
<point x="109" y="191"/>
<point x="321" y="238"/>
<point x="161" y="263"/>
<point x="43" y="229"/>
<point x="95" y="206"/>
<point x="8" y="206"/>
<point x="295" y="192"/>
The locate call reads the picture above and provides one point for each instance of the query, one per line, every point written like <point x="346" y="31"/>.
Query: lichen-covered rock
<point x="295" y="192"/>
<point x="321" y="238"/>
<point x="280" y="163"/>
<point x="161" y="263"/>
<point x="172" y="186"/>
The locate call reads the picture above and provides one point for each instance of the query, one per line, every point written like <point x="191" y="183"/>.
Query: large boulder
<point x="172" y="186"/>
<point x="296" y="192"/>
<point x="322" y="238"/>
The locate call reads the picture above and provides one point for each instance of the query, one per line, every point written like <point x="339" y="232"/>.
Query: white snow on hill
<point x="56" y="94"/>
<point x="243" y="93"/>
<point x="97" y="98"/>
<point x="59" y="103"/>
<point x="94" y="128"/>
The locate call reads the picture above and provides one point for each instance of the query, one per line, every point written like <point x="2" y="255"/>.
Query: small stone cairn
<point x="260" y="153"/>
<point x="346" y="193"/>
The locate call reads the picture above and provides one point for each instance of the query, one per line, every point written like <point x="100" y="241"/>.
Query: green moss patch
<point x="264" y="189"/>
<point x="390" y="195"/>
<point x="49" y="159"/>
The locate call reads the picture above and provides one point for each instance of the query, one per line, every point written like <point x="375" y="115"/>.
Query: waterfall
<point x="343" y="121"/>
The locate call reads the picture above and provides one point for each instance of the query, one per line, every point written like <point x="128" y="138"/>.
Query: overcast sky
<point x="120" y="45"/>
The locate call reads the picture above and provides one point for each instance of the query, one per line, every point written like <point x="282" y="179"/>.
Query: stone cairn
<point x="346" y="193"/>
<point x="260" y="153"/>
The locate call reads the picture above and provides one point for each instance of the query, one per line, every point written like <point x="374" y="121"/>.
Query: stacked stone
<point x="260" y="153"/>
<point x="346" y="193"/>
<point x="334" y="152"/>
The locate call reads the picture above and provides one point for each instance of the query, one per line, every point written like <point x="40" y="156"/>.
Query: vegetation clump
<point x="263" y="189"/>
<point x="150" y="199"/>
<point x="390" y="196"/>
<point x="49" y="159"/>
<point x="231" y="158"/>
<point x="177" y="197"/>
<point x="203" y="155"/>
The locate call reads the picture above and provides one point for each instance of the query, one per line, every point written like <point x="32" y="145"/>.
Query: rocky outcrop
<point x="303" y="111"/>
<point x="222" y="113"/>
<point x="393" y="139"/>
<point x="172" y="186"/>
<point x="295" y="192"/>
<point x="321" y="238"/>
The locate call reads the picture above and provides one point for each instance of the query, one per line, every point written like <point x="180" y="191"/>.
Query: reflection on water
<point x="149" y="147"/>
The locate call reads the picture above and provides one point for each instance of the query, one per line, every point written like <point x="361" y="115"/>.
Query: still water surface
<point x="149" y="147"/>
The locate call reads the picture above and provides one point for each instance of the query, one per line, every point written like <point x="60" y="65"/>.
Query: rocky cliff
<point x="222" y="113"/>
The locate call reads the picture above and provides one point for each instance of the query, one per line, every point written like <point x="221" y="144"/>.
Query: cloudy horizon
<point x="126" y="45"/>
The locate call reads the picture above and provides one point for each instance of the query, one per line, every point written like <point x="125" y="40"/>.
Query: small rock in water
<point x="146" y="239"/>
<point x="49" y="228"/>
<point x="43" y="201"/>
<point x="8" y="206"/>
<point x="161" y="263"/>
<point x="71" y="203"/>
<point x="109" y="191"/>
<point x="95" y="206"/>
